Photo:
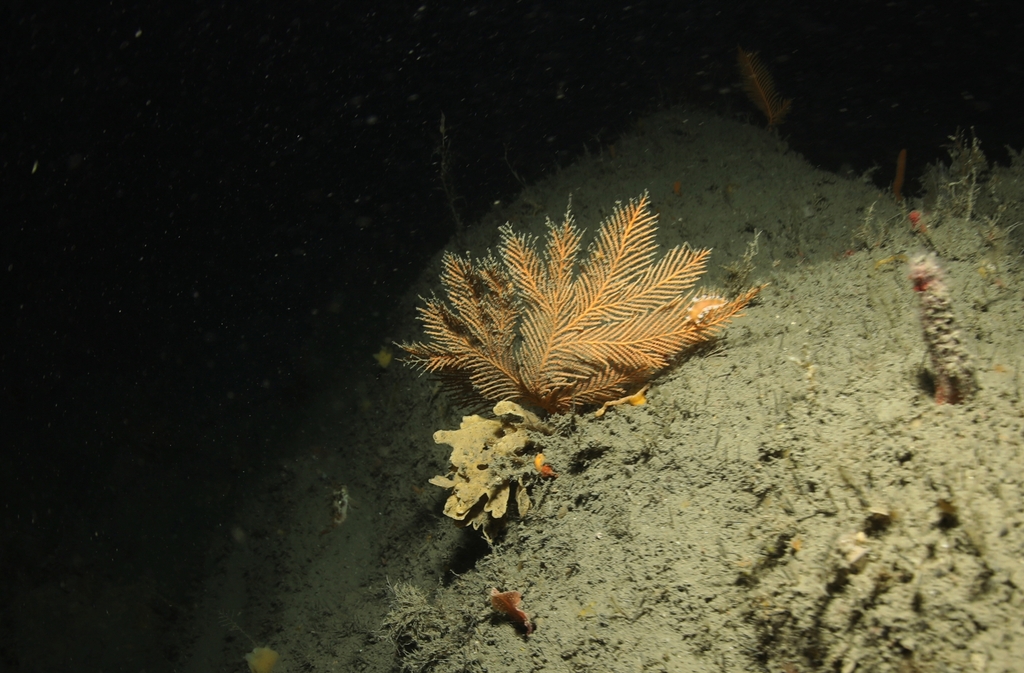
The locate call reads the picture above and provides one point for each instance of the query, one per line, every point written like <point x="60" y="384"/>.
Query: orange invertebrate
<point x="917" y="224"/>
<point x="544" y="469"/>
<point x="507" y="602"/>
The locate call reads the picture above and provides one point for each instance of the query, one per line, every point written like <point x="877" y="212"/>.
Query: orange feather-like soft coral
<point x="546" y="329"/>
<point x="761" y="87"/>
<point x="508" y="603"/>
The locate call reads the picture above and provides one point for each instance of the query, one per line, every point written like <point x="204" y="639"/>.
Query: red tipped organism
<point x="952" y="366"/>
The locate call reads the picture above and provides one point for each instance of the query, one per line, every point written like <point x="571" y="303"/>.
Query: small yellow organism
<point x="890" y="260"/>
<point x="636" y="399"/>
<point x="383" y="357"/>
<point x="261" y="660"/>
